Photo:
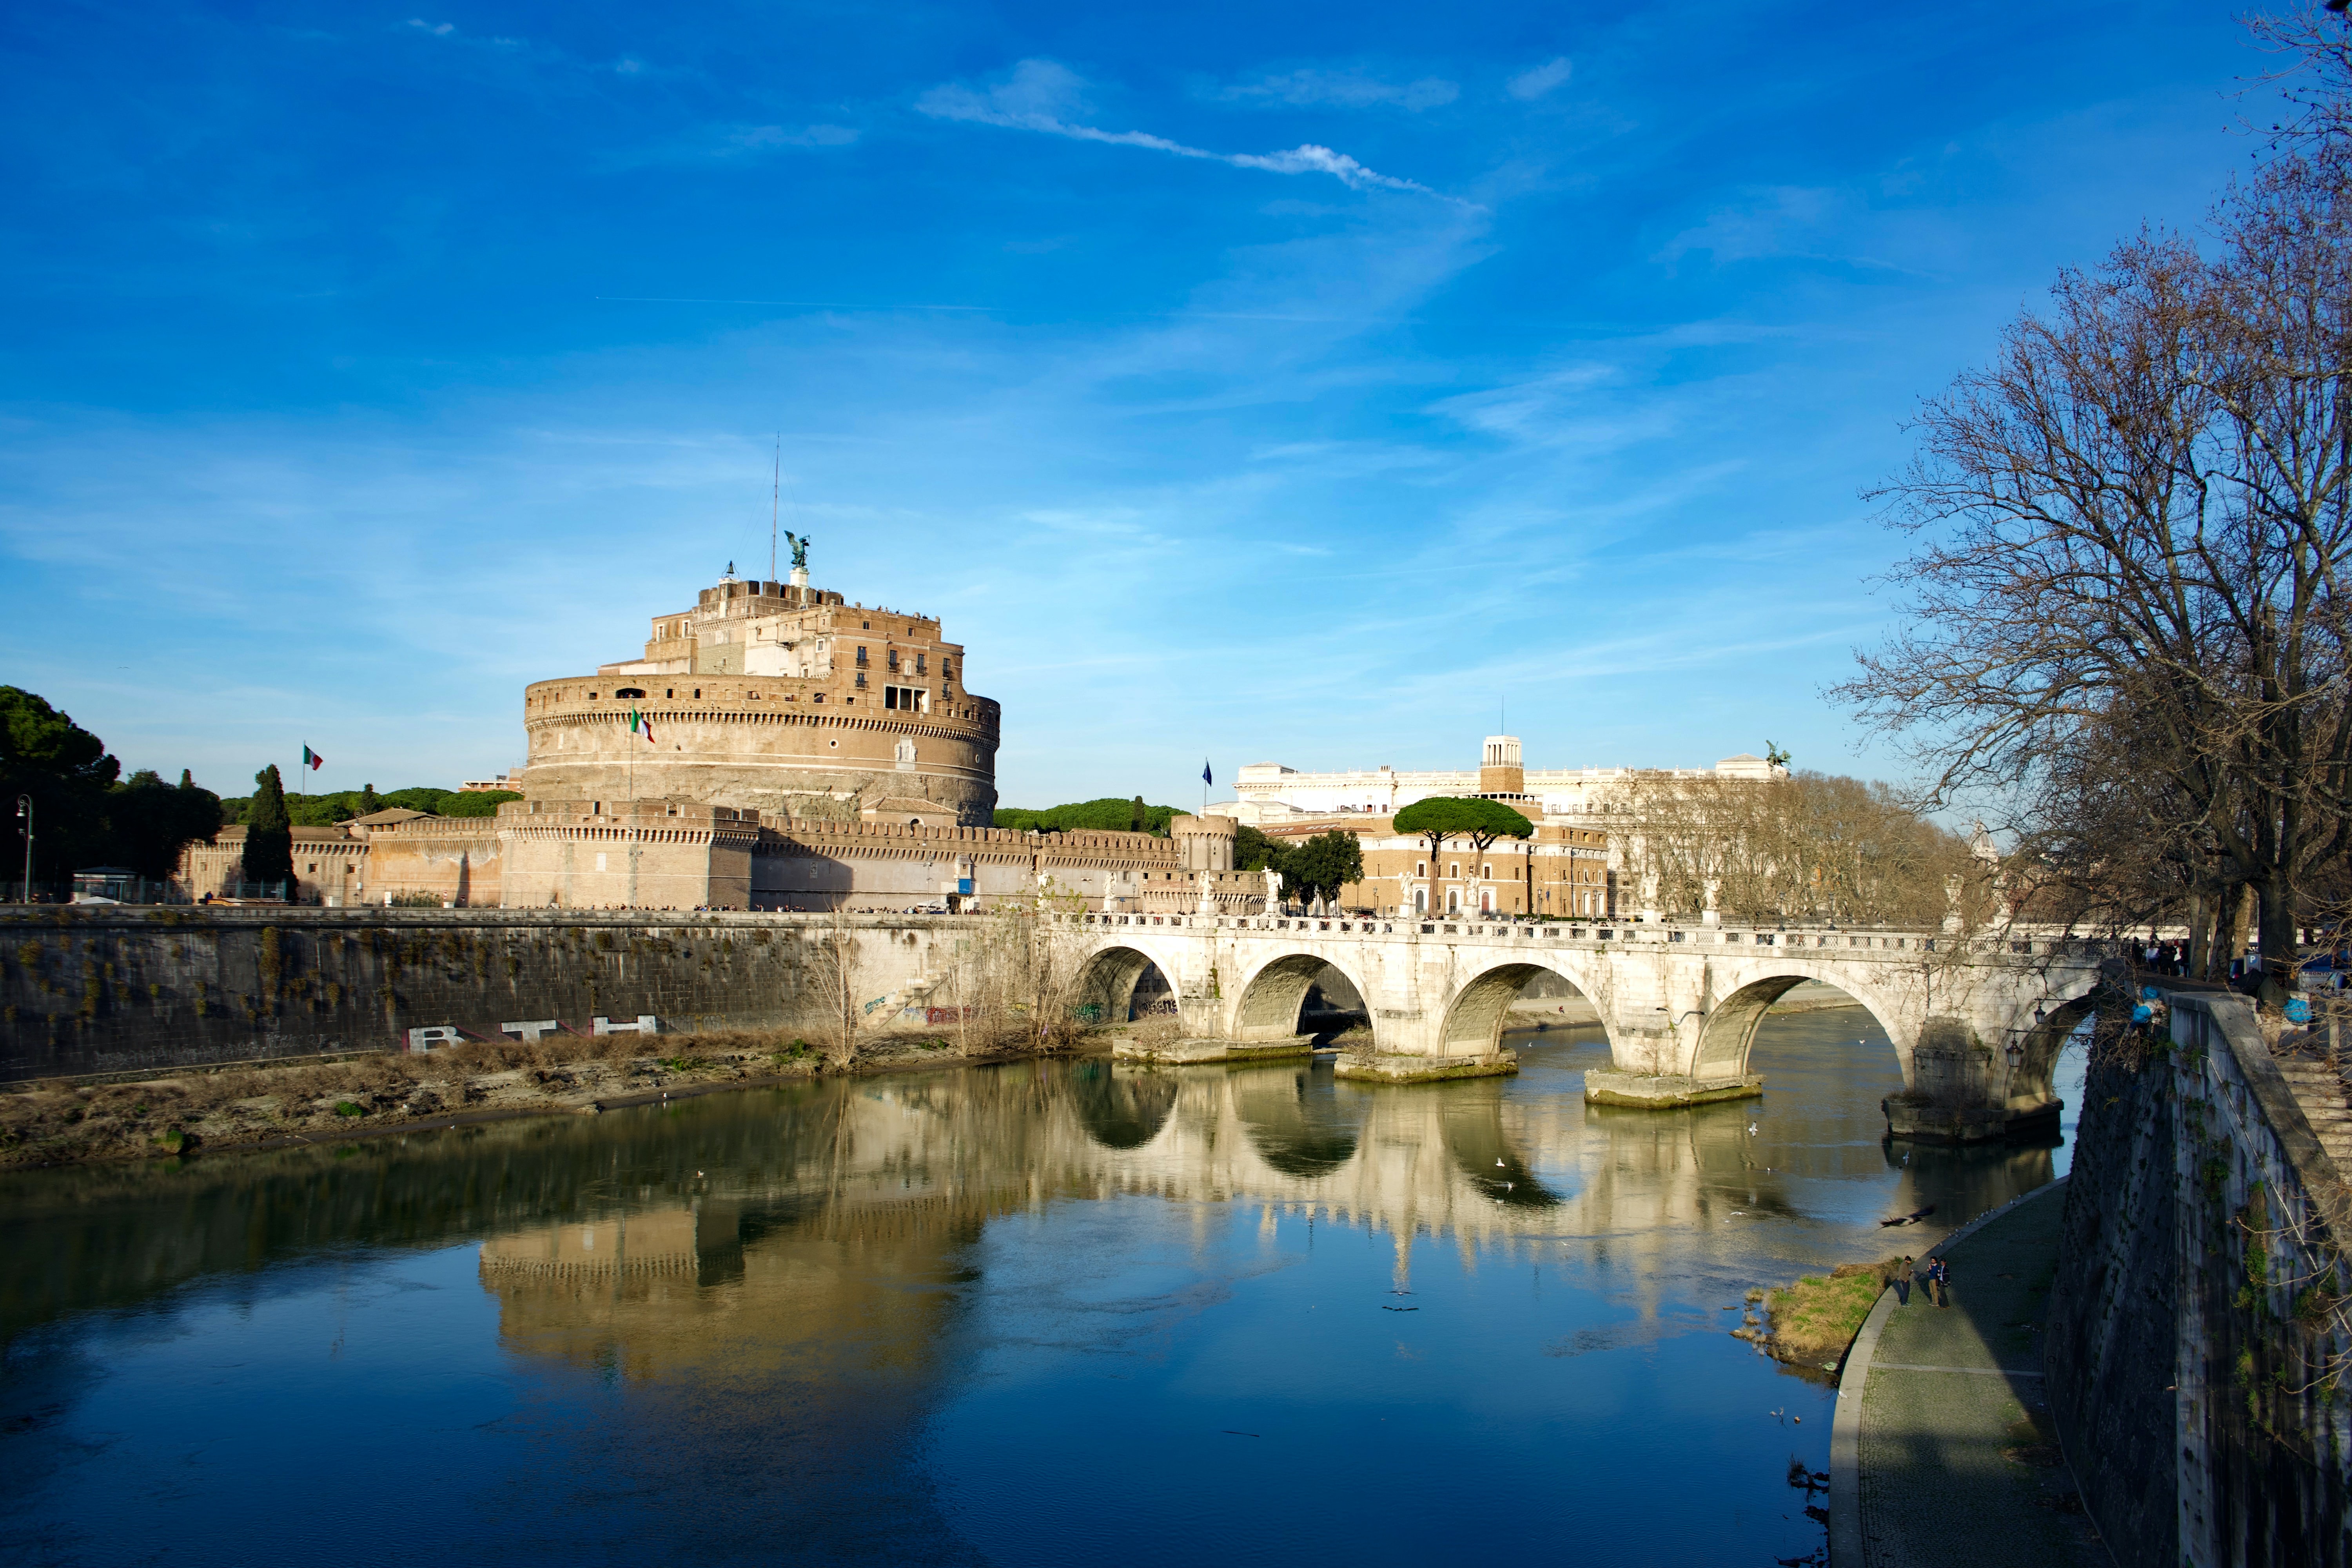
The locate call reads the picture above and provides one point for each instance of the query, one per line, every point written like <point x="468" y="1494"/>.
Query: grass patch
<point x="345" y="1108"/>
<point x="1816" y="1318"/>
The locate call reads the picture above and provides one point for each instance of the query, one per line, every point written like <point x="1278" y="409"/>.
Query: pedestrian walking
<point x="1903" y="1281"/>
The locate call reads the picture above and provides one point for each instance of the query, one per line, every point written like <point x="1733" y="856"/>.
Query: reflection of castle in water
<point x="882" y="1180"/>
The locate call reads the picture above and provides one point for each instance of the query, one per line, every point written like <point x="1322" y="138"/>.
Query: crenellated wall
<point x="822" y="864"/>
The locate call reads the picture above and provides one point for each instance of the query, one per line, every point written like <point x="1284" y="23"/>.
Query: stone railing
<point x="1878" y="941"/>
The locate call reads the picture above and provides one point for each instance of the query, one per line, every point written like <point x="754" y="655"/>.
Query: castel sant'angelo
<point x="779" y="699"/>
<point x="778" y="747"/>
<point x="775" y="747"/>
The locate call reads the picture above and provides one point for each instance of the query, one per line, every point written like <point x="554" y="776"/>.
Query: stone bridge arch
<point x="1272" y="996"/>
<point x="1107" y="984"/>
<point x="1727" y="1031"/>
<point x="2043" y="1038"/>
<point x="1476" y="1014"/>
<point x="1942" y="1032"/>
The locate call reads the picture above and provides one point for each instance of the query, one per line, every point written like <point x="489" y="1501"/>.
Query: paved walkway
<point x="1943" y="1442"/>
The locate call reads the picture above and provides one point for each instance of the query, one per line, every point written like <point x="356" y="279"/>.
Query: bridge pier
<point x="1390" y="1067"/>
<point x="1192" y="1052"/>
<point x="1665" y="1091"/>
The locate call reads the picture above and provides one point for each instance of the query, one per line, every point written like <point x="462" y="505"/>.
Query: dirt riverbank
<point x="173" y="1113"/>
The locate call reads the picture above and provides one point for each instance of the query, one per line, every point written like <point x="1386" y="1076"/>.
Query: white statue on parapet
<point x="1272" y="891"/>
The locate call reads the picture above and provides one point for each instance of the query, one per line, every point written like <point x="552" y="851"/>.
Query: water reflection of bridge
<point x="896" y="1173"/>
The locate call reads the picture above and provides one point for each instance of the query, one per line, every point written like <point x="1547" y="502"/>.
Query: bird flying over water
<point x="1914" y="1217"/>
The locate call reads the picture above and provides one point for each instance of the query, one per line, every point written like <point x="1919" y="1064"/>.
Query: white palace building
<point x="1270" y="794"/>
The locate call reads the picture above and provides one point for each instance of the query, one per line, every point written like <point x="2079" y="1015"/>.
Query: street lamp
<point x="25" y="811"/>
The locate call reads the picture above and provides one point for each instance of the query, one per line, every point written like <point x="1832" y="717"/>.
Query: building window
<point x="919" y="664"/>
<point x="1421" y="868"/>
<point x="947" y="670"/>
<point x="861" y="678"/>
<point x="1487" y="871"/>
<point x="861" y="656"/>
<point x="1454" y="869"/>
<point x="818" y="697"/>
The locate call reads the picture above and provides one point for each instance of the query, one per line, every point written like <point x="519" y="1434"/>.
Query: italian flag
<point x="641" y="724"/>
<point x="313" y="760"/>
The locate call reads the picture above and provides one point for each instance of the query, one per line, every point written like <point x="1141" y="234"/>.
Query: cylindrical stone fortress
<point x="774" y="697"/>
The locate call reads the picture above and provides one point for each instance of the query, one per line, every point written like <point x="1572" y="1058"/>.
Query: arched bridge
<point x="1977" y="1021"/>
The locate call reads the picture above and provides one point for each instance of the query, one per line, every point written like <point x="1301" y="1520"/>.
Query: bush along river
<point x="1055" y="1312"/>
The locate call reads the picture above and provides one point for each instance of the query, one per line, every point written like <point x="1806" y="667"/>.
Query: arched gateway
<point x="1976" y="1022"/>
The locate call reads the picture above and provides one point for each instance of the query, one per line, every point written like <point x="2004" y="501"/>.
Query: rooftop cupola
<point x="1499" y="769"/>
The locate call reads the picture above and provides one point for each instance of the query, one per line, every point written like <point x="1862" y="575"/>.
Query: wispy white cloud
<point x="1342" y="90"/>
<point x="524" y="49"/>
<point x="1039" y="95"/>
<point x="1799" y="221"/>
<point x="1535" y="83"/>
<point x="757" y="138"/>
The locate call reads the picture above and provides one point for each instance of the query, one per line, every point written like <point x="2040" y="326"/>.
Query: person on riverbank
<point x="1939" y="1281"/>
<point x="1903" y="1281"/>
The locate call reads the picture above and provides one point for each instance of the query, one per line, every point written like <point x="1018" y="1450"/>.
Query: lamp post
<point x="25" y="811"/>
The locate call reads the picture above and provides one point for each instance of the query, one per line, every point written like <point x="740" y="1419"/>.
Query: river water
<point x="1056" y="1312"/>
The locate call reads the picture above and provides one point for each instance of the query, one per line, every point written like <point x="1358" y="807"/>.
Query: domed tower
<point x="776" y="697"/>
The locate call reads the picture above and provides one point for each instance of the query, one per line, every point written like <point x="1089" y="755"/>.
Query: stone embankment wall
<point x="84" y="992"/>
<point x="2185" y="1363"/>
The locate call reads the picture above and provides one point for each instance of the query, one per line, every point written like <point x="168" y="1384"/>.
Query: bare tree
<point x="1032" y="965"/>
<point x="1805" y="846"/>
<point x="2134" y="530"/>
<point x="837" y="983"/>
<point x="2313" y="76"/>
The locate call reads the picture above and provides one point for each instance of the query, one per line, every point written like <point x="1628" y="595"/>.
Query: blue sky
<point x="1266" y="381"/>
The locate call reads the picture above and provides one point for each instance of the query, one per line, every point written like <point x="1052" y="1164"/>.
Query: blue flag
<point x="1204" y="773"/>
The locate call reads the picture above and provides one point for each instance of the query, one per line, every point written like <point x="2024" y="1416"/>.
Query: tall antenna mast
<point x="775" y="494"/>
